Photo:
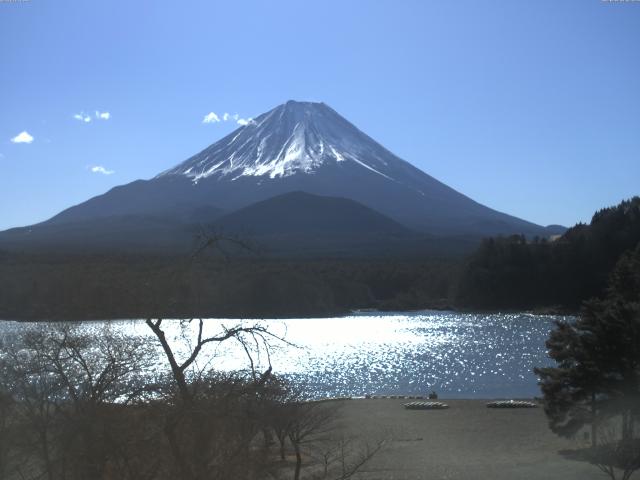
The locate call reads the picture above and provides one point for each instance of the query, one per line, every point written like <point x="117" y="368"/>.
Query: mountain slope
<point x="295" y="224"/>
<point x="304" y="213"/>
<point x="118" y="233"/>
<point x="299" y="223"/>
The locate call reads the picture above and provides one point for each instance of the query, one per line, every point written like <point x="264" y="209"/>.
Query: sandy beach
<point x="467" y="441"/>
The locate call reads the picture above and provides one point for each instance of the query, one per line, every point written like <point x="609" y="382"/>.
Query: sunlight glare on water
<point x="460" y="355"/>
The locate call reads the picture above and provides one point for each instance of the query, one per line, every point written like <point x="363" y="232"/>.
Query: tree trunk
<point x="268" y="437"/>
<point x="594" y="421"/>
<point x="177" y="370"/>
<point x="296" y="475"/>
<point x="176" y="451"/>
<point x="626" y="426"/>
<point x="44" y="443"/>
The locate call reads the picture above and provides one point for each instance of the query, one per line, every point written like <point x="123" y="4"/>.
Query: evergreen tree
<point x="597" y="374"/>
<point x="573" y="389"/>
<point x="515" y="273"/>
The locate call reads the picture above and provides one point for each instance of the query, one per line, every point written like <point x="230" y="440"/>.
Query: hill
<point x="516" y="273"/>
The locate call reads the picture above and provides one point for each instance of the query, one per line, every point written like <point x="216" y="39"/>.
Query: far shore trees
<point x="516" y="273"/>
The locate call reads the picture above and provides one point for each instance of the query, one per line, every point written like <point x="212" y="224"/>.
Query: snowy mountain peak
<point x="297" y="147"/>
<point x="295" y="137"/>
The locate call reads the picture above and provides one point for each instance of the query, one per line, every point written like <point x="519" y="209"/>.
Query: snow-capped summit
<point x="295" y="137"/>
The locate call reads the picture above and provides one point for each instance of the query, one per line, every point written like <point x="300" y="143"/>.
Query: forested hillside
<point x="100" y="287"/>
<point x="515" y="273"/>
<point x="505" y="273"/>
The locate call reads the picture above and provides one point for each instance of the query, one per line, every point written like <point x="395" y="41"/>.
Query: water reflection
<point x="458" y="355"/>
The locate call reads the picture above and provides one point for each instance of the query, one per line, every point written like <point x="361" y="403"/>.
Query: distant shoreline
<point x="347" y="313"/>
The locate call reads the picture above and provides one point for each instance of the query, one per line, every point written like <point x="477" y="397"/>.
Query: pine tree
<point x="597" y="372"/>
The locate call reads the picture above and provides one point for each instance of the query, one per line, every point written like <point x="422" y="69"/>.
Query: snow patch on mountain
<point x="294" y="138"/>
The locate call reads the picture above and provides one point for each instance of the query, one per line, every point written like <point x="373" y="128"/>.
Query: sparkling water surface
<point x="459" y="355"/>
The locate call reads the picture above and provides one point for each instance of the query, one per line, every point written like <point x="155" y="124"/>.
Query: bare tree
<point x="315" y="433"/>
<point x="64" y="386"/>
<point x="202" y="442"/>
<point x="256" y="332"/>
<point x="309" y="422"/>
<point x="75" y="406"/>
<point x="343" y="457"/>
<point x="615" y="455"/>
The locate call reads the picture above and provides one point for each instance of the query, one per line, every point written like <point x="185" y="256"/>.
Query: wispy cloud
<point x="211" y="118"/>
<point x="82" y="117"/>
<point x="22" y="137"/>
<point x="102" y="170"/>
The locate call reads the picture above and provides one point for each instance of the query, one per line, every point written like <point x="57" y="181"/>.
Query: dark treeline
<point x="504" y="273"/>
<point x="67" y="287"/>
<point x="517" y="273"/>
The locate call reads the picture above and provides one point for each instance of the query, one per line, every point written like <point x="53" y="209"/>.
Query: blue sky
<point x="530" y="107"/>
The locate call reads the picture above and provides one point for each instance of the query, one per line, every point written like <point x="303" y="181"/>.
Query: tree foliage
<point x="78" y="287"/>
<point x="518" y="273"/>
<point x="597" y="372"/>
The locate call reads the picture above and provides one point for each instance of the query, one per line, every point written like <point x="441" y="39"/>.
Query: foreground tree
<point x="613" y="456"/>
<point x="572" y="390"/>
<point x="212" y="419"/>
<point x="77" y="406"/>
<point x="597" y="377"/>
<point x="60" y="387"/>
<point x="6" y="431"/>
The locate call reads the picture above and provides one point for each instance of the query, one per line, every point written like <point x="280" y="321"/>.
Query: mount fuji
<point x="295" y="147"/>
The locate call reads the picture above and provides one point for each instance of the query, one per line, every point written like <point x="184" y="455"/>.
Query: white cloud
<point x="22" y="137"/>
<point x="82" y="117"/>
<point x="226" y="117"/>
<point x="211" y="118"/>
<point x="102" y="170"/>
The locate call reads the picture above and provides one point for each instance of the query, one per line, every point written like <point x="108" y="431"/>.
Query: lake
<point x="459" y="355"/>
